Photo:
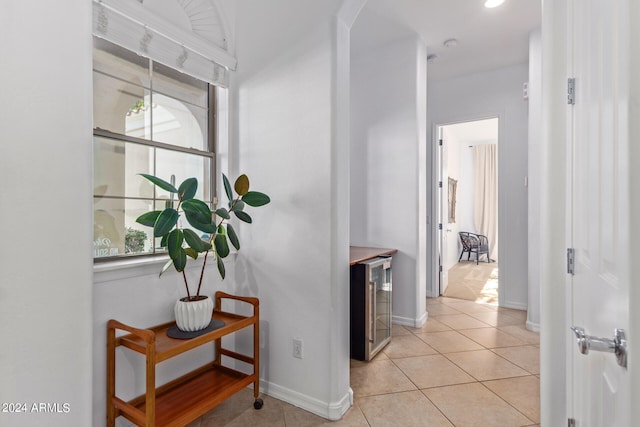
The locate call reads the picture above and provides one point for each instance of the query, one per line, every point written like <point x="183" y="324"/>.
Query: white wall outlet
<point x="297" y="348"/>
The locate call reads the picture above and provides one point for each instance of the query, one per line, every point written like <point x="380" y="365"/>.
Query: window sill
<point x="128" y="268"/>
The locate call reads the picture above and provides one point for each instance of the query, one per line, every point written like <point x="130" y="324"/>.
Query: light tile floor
<point x="469" y="365"/>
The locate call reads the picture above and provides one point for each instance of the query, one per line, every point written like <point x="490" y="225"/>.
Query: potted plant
<point x="194" y="311"/>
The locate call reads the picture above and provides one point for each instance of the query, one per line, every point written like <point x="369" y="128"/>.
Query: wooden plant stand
<point x="188" y="397"/>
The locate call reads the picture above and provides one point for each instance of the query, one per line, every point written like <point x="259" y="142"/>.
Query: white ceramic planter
<point x="193" y="315"/>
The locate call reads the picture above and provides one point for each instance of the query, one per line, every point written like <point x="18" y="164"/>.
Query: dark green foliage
<point x="182" y="242"/>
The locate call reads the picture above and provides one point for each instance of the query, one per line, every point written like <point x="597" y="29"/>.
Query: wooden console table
<point x="184" y="399"/>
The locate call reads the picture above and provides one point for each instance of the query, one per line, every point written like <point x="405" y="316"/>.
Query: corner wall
<point x="491" y="94"/>
<point x="388" y="164"/>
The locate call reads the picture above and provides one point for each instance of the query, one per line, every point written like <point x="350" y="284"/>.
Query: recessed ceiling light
<point x="493" y="3"/>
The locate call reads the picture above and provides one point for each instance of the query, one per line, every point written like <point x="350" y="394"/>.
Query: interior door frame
<point x="434" y="289"/>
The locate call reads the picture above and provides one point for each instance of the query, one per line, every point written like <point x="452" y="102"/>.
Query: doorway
<point x="467" y="202"/>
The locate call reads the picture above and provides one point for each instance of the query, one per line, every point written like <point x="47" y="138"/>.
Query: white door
<point x="443" y="210"/>
<point x="598" y="386"/>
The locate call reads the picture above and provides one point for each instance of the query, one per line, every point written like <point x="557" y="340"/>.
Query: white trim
<point x="122" y="269"/>
<point x="330" y="410"/>
<point x="534" y="327"/>
<point x="514" y="305"/>
<point x="413" y="323"/>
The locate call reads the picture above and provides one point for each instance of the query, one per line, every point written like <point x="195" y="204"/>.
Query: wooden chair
<point x="476" y="243"/>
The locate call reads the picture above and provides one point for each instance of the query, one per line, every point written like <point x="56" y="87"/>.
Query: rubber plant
<point x="181" y="242"/>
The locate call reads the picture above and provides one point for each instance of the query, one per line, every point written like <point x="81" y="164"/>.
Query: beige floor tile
<point x="485" y="365"/>
<point x="271" y="415"/>
<point x="431" y="325"/>
<point x="496" y="318"/>
<point x="440" y="309"/>
<point x="353" y="418"/>
<point x="407" y="346"/>
<point x="432" y="371"/>
<point x="449" y="341"/>
<point x="519" y="314"/>
<point x="520" y="332"/>
<point x="408" y="409"/>
<point x="491" y="337"/>
<point x="474" y="405"/>
<point x="470" y="307"/>
<point x="231" y="408"/>
<point x="460" y="321"/>
<point x="353" y="363"/>
<point x="294" y="416"/>
<point x="527" y="357"/>
<point x="397" y="330"/>
<point x="522" y="393"/>
<point x="447" y="300"/>
<point x="379" y="377"/>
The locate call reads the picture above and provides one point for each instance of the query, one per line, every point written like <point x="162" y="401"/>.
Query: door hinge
<point x="571" y="91"/>
<point x="440" y="142"/>
<point x="439" y="184"/>
<point x="571" y="422"/>
<point x="440" y="269"/>
<point x="439" y="226"/>
<point x="571" y="261"/>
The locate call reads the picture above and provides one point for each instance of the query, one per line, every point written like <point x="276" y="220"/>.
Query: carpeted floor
<point x="474" y="282"/>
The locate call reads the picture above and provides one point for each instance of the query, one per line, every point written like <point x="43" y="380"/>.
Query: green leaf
<point x="163" y="241"/>
<point x="238" y="206"/>
<point x="199" y="215"/>
<point x="191" y="252"/>
<point x="243" y="216"/>
<point x="188" y="189"/>
<point x="227" y="187"/>
<point x="223" y="213"/>
<point x="195" y="242"/>
<point x="233" y="237"/>
<point x="166" y="267"/>
<point x="165" y="222"/>
<point x="222" y="247"/>
<point x="242" y="185"/>
<point x="174" y="242"/>
<point x="255" y="198"/>
<point x="149" y="218"/>
<point x="180" y="260"/>
<point x="160" y="183"/>
<point x="221" y="267"/>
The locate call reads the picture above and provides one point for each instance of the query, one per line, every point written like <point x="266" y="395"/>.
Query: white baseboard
<point x="408" y="321"/>
<point x="534" y="327"/>
<point x="514" y="305"/>
<point x="332" y="411"/>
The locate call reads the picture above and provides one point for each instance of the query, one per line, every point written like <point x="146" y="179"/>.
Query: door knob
<point x="617" y="345"/>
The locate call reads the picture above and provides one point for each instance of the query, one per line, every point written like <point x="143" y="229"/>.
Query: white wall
<point x="46" y="217"/>
<point x="535" y="174"/>
<point x="490" y="94"/>
<point x="387" y="168"/>
<point x="283" y="98"/>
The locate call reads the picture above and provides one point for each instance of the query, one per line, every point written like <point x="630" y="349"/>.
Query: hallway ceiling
<point x="487" y="38"/>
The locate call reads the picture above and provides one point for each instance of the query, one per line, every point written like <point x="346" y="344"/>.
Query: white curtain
<point x="485" y="165"/>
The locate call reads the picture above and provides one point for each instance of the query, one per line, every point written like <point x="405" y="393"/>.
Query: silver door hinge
<point x="571" y="422"/>
<point x="571" y="261"/>
<point x="571" y="91"/>
<point x="439" y="184"/>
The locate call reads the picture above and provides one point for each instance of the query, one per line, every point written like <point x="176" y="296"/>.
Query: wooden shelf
<point x="186" y="398"/>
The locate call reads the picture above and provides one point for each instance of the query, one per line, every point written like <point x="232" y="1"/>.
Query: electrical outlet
<point x="297" y="348"/>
